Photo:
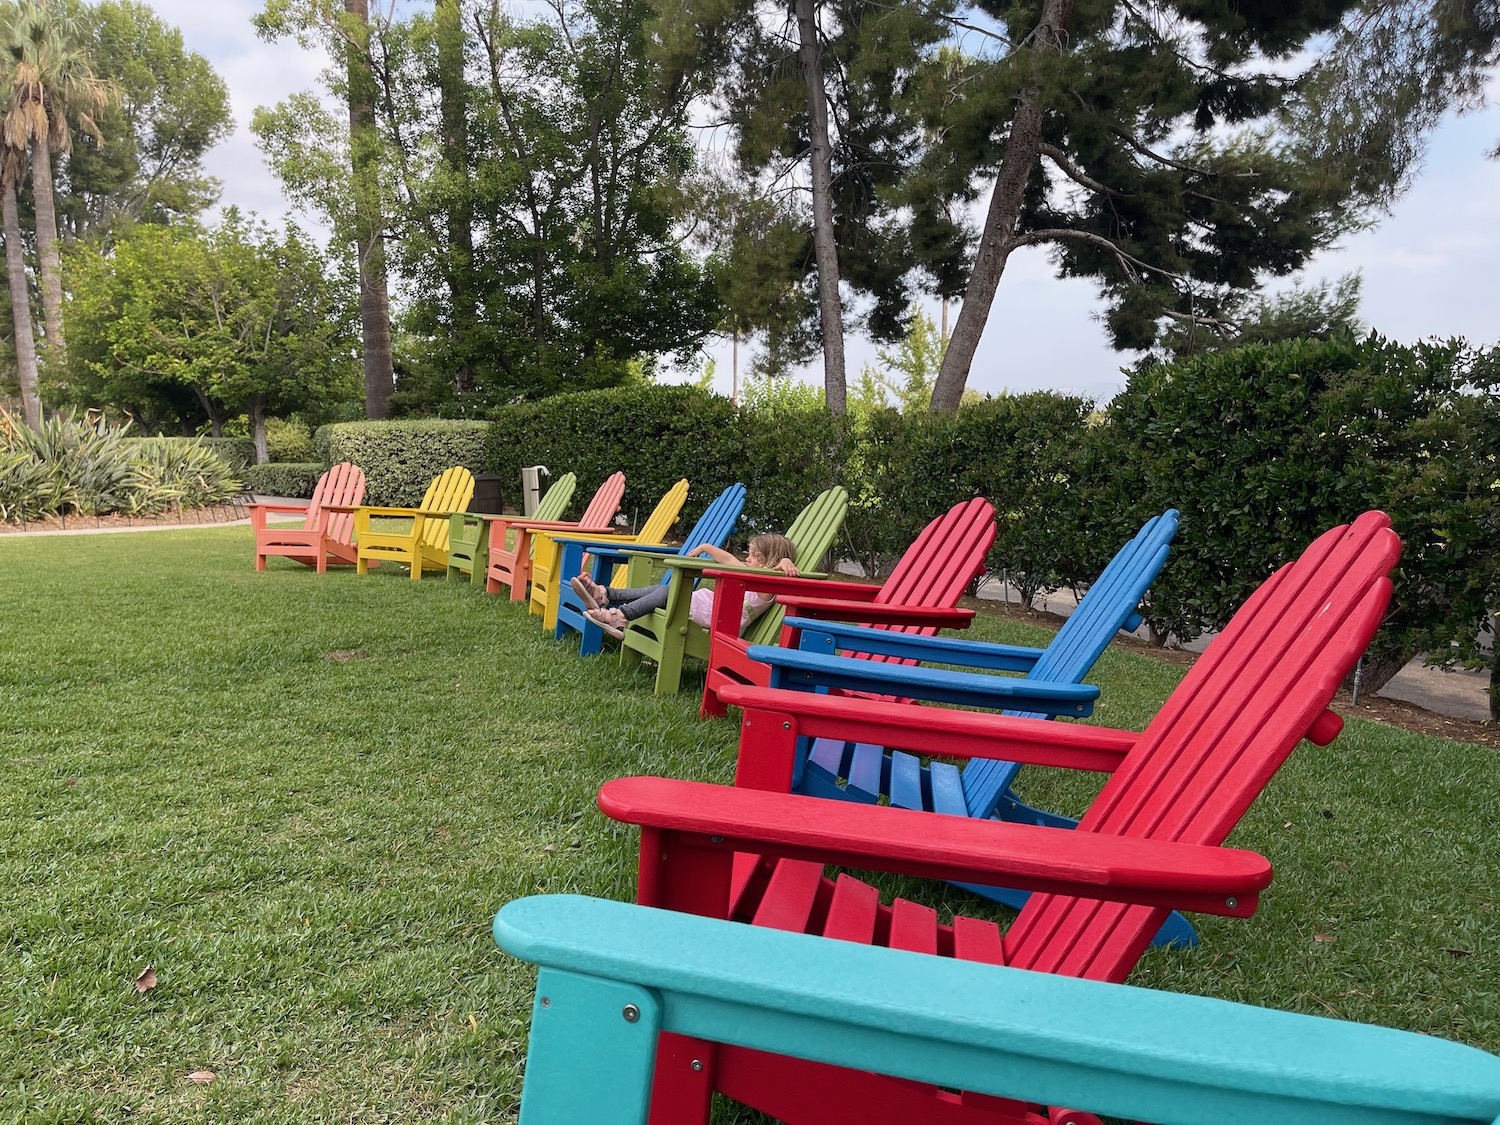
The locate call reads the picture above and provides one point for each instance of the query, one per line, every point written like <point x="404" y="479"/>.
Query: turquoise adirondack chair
<point x="1152" y="840"/>
<point x="616" y="977"/>
<point x="714" y="526"/>
<point x="669" y="636"/>
<point x="469" y="532"/>
<point x="854" y="771"/>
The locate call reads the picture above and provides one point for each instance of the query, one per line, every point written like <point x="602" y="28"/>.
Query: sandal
<point x="584" y="587"/>
<point x="611" y="620"/>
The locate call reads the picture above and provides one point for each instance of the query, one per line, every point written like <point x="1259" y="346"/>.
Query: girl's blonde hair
<point x="772" y="548"/>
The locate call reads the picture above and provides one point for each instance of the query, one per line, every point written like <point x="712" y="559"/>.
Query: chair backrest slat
<point x="554" y="503"/>
<point x="449" y="492"/>
<point x="1260" y="688"/>
<point x="812" y="533"/>
<point x="605" y="504"/>
<point x="944" y="559"/>
<point x="343" y="485"/>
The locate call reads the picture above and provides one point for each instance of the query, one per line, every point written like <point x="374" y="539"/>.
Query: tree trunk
<point x="20" y="304"/>
<point x="50" y="268"/>
<point x="1022" y="150"/>
<point x="460" y="212"/>
<point x="257" y="414"/>
<point x="374" y="297"/>
<point x="825" y="251"/>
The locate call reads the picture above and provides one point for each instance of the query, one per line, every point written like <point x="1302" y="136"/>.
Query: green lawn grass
<point x="301" y="799"/>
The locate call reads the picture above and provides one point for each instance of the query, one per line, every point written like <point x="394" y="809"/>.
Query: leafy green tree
<point x="1391" y="71"/>
<point x="50" y="78"/>
<point x="816" y="92"/>
<point x="240" y="318"/>
<point x="907" y="371"/>
<point x="1141" y="145"/>
<point x="172" y="109"/>
<point x="1316" y="312"/>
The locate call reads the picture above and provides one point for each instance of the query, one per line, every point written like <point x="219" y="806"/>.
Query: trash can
<point x="531" y="487"/>
<point x="486" y="494"/>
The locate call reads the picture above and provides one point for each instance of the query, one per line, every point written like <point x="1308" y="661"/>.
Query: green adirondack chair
<point x="417" y="536"/>
<point x="669" y="635"/>
<point x="469" y="533"/>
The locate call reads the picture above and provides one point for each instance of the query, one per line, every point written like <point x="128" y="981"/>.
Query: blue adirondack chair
<point x="616" y="979"/>
<point x="1052" y="685"/>
<point x="714" y="526"/>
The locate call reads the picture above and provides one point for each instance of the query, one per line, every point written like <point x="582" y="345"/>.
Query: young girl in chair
<point x="613" y="609"/>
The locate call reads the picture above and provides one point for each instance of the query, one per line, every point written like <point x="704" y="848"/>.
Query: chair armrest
<point x="295" y="508"/>
<point x="929" y="730"/>
<point x="807" y="671"/>
<point x="342" y="507"/>
<point x="940" y="617"/>
<point x="1127" y="1052"/>
<point x="784" y="586"/>
<point x="912" y="646"/>
<point x="1130" y="869"/>
<point x="554" y="525"/>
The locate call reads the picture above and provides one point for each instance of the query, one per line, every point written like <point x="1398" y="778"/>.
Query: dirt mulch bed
<point x="1392" y="711"/>
<point x="218" y="513"/>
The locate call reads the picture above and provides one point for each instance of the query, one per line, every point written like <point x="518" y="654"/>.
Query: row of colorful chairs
<point x="670" y="1007"/>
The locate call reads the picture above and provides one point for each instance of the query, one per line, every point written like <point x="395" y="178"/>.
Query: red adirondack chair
<point x="1148" y="844"/>
<point x="324" y="536"/>
<point x="919" y="597"/>
<point x="511" y="565"/>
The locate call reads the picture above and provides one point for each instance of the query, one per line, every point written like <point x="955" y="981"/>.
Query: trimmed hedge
<point x="656" y="435"/>
<point x="401" y="458"/>
<point x="284" y="478"/>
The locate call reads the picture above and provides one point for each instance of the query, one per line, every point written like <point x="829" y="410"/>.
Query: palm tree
<point x="49" y="78"/>
<point x="11" y="162"/>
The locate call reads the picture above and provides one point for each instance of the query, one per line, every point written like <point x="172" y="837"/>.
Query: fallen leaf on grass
<point x="341" y="654"/>
<point x="202" y="1077"/>
<point x="146" y="981"/>
<point x="1325" y="939"/>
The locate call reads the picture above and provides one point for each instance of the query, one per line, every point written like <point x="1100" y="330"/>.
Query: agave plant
<point x="94" y="468"/>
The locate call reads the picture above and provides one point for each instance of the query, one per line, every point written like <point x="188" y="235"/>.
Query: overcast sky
<point x="1432" y="268"/>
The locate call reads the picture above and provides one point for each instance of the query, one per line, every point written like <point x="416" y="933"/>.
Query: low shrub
<point x="236" y="452"/>
<point x="284" y="478"/>
<point x="655" y="434"/>
<point x="288" y="442"/>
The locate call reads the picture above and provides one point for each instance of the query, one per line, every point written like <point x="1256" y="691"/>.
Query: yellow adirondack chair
<point x="547" y="553"/>
<point x="415" y="536"/>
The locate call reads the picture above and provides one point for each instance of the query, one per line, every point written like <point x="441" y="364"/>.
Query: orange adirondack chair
<point x="325" y="536"/>
<point x="919" y="596"/>
<point x="1150" y="842"/>
<point x="511" y="566"/>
